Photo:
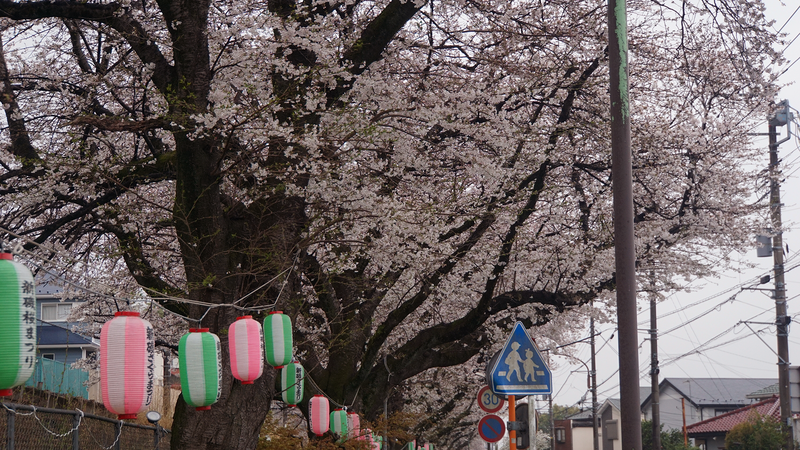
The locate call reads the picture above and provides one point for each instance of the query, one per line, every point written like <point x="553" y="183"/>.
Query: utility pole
<point x="594" y="387"/>
<point x="624" y="251"/>
<point x="654" y="394"/>
<point x="781" y="117"/>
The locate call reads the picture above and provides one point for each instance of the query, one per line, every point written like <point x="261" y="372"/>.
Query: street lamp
<point x="153" y="417"/>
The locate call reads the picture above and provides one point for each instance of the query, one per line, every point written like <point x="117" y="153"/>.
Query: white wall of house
<point x="671" y="410"/>
<point x="611" y="426"/>
<point x="582" y="437"/>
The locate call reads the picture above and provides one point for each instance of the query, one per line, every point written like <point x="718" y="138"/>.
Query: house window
<point x="56" y="312"/>
<point x="561" y="435"/>
<point x="50" y="356"/>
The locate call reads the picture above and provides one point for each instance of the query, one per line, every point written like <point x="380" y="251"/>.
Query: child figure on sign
<point x="529" y="366"/>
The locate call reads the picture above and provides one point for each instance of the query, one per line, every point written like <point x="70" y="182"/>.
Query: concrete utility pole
<point x="654" y="370"/>
<point x="624" y="253"/>
<point x="782" y="117"/>
<point x="596" y="444"/>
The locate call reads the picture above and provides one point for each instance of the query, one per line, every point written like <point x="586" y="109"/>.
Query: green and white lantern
<point x="201" y="368"/>
<point x="339" y="423"/>
<point x="292" y="376"/>
<point x="278" y="339"/>
<point x="17" y="324"/>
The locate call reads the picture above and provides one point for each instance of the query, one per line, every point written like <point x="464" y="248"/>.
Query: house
<point x="58" y="345"/>
<point x="575" y="432"/>
<point x="710" y="433"/>
<point x="699" y="399"/>
<point x="57" y="341"/>
<point x="610" y="425"/>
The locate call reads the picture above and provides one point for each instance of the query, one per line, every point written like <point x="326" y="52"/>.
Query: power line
<point x="789" y="19"/>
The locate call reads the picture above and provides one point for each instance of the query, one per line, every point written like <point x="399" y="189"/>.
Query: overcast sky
<point x="712" y="345"/>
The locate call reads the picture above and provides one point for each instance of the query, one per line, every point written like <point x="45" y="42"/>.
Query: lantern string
<point x="285" y="271"/>
<point x="18" y="250"/>
<point x="311" y="380"/>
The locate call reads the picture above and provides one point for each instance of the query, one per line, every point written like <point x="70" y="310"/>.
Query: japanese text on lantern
<point x="28" y="311"/>
<point x="151" y="366"/>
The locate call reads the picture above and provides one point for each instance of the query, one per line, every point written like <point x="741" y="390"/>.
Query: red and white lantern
<point x="246" y="348"/>
<point x="354" y="426"/>
<point x="126" y="364"/>
<point x="319" y="414"/>
<point x="17" y="324"/>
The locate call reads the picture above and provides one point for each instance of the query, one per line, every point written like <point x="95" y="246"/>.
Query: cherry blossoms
<point x="404" y="179"/>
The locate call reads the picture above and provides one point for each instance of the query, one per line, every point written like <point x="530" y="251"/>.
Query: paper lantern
<point x="246" y="348"/>
<point x="377" y="442"/>
<point x="319" y="409"/>
<point x="201" y="371"/>
<point x="17" y="324"/>
<point x="278" y="339"/>
<point x="292" y="376"/>
<point x="354" y="426"/>
<point x="339" y="422"/>
<point x="126" y="364"/>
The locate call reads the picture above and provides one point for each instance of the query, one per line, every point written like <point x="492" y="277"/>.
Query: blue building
<point x="58" y="345"/>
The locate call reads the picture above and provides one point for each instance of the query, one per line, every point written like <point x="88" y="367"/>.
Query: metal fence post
<point x="76" y="422"/>
<point x="118" y="429"/>
<point x="156" y="437"/>
<point x="11" y="412"/>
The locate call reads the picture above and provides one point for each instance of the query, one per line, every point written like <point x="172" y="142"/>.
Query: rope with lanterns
<point x="127" y="348"/>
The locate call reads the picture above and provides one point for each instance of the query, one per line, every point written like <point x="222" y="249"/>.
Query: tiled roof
<point x="724" y="422"/>
<point x="585" y="414"/>
<point x="715" y="391"/>
<point x="768" y="391"/>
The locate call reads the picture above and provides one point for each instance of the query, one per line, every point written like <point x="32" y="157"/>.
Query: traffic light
<point x="521" y="426"/>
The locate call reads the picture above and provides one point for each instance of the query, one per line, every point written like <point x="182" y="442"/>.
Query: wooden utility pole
<point x="683" y="413"/>
<point x="624" y="252"/>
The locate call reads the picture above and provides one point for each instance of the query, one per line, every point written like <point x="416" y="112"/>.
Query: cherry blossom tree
<point x="406" y="179"/>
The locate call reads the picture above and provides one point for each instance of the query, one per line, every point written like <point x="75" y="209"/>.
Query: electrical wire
<point x="787" y="20"/>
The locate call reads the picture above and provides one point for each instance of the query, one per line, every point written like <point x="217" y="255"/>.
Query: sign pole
<point x="512" y="416"/>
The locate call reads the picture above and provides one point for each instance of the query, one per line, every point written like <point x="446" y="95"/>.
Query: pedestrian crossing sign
<point x="520" y="369"/>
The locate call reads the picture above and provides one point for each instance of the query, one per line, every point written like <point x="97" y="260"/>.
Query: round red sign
<point x="488" y="401"/>
<point x="491" y="428"/>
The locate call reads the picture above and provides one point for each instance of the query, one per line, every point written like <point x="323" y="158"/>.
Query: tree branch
<point x="111" y="14"/>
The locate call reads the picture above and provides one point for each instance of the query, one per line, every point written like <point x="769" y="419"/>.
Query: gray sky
<point x="713" y="345"/>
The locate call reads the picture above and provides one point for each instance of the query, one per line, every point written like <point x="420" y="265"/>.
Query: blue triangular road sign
<point x="520" y="369"/>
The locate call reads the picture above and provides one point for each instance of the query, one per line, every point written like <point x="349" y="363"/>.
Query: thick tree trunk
<point x="235" y="420"/>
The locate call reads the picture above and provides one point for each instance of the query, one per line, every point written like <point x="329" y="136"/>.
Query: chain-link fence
<point x="27" y="427"/>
